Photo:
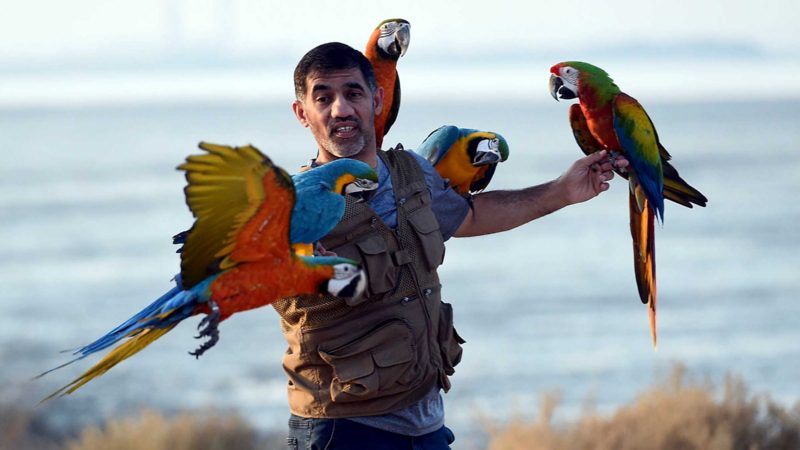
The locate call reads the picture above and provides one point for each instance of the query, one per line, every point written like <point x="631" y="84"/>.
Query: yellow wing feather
<point x="225" y="190"/>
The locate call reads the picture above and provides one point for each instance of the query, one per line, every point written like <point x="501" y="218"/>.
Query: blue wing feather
<point x="638" y="139"/>
<point x="435" y="146"/>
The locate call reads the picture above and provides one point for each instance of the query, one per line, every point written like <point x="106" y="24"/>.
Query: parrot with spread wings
<point x="236" y="257"/>
<point x="466" y="158"/>
<point x="387" y="43"/>
<point x="319" y="200"/>
<point x="607" y="118"/>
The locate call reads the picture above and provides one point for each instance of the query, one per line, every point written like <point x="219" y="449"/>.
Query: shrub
<point x="676" y="414"/>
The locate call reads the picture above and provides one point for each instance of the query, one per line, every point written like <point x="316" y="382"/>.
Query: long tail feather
<point x="169" y="309"/>
<point x="116" y="356"/>
<point x="644" y="256"/>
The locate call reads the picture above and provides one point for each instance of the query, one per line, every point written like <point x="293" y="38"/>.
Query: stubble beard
<point x="346" y="148"/>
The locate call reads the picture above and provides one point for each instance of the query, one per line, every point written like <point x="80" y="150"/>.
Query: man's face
<point x="340" y="111"/>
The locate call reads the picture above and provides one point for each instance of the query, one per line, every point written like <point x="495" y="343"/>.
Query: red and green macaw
<point x="466" y="158"/>
<point x="607" y="118"/>
<point x="386" y="45"/>
<point x="235" y="257"/>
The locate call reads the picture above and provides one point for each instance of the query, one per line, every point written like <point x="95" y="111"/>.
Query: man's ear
<point x="300" y="113"/>
<point x="377" y="100"/>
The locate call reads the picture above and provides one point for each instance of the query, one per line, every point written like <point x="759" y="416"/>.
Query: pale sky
<point x="44" y="29"/>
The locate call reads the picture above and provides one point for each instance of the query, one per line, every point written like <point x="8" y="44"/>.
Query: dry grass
<point x="152" y="431"/>
<point x="674" y="415"/>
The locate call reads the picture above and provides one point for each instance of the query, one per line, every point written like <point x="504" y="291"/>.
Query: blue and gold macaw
<point x="466" y="158"/>
<point x="607" y="118"/>
<point x="236" y="256"/>
<point x="319" y="200"/>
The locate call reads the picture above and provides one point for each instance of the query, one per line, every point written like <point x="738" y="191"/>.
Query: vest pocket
<point x="449" y="343"/>
<point x="377" y="364"/>
<point x="426" y="228"/>
<point x="381" y="273"/>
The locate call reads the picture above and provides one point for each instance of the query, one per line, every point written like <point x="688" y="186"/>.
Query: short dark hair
<point x="331" y="57"/>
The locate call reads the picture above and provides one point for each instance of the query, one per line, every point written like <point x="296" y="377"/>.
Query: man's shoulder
<point x="421" y="160"/>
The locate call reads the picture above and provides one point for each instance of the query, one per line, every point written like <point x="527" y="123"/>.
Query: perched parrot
<point x="607" y="118"/>
<point x="465" y="157"/>
<point x="236" y="257"/>
<point x="386" y="45"/>
<point x="319" y="201"/>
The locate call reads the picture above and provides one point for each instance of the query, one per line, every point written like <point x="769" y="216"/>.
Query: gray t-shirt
<point x="450" y="208"/>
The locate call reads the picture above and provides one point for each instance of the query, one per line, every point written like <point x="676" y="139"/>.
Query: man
<point x="367" y="375"/>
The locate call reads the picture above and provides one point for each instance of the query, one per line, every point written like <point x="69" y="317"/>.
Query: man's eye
<point x="322" y="100"/>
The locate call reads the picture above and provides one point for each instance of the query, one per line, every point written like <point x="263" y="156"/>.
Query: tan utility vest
<point x="387" y="350"/>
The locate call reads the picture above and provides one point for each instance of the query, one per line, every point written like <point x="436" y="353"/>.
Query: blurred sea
<point x="89" y="201"/>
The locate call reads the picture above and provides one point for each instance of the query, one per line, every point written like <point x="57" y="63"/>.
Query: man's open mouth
<point x="345" y="131"/>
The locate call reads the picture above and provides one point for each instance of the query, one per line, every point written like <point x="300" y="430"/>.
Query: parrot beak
<point x="360" y="185"/>
<point x="486" y="153"/>
<point x="559" y="89"/>
<point x="403" y="38"/>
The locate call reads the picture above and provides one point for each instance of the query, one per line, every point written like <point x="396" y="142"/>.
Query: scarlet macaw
<point x="465" y="157"/>
<point x="387" y="43"/>
<point x="607" y="118"/>
<point x="236" y="256"/>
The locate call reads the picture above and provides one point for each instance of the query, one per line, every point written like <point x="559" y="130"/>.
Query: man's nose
<point x="341" y="107"/>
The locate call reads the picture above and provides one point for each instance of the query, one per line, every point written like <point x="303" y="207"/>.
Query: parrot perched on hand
<point x="236" y="257"/>
<point x="319" y="200"/>
<point x="465" y="157"/>
<point x="607" y="118"/>
<point x="386" y="45"/>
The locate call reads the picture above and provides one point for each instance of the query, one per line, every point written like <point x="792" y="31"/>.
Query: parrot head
<point x="348" y="280"/>
<point x="486" y="148"/>
<point x="393" y="37"/>
<point x="342" y="176"/>
<point x="570" y="79"/>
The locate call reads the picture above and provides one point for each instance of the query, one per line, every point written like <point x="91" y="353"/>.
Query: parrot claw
<point x="208" y="328"/>
<point x="613" y="156"/>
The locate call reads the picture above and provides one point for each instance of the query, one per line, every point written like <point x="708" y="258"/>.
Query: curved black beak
<point x="557" y="89"/>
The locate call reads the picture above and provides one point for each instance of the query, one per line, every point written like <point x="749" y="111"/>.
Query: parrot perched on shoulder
<point x="387" y="43"/>
<point x="236" y="257"/>
<point x="466" y="158"/>
<point x="607" y="118"/>
<point x="319" y="200"/>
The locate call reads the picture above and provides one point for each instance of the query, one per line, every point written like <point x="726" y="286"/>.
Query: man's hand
<point x="587" y="177"/>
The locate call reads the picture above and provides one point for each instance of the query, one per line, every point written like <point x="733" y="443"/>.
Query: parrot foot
<point x="208" y="328"/>
<point x="613" y="156"/>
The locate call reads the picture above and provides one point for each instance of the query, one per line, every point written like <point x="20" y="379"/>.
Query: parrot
<point x="319" y="198"/>
<point x="606" y="118"/>
<point x="465" y="157"/>
<point x="387" y="43"/>
<point x="236" y="257"/>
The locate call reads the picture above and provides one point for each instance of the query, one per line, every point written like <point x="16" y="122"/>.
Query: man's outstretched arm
<point x="496" y="211"/>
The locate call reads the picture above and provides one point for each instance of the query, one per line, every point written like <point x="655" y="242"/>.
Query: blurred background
<point x="100" y="100"/>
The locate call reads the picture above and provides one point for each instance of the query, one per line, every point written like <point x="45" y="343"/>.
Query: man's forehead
<point x="335" y="78"/>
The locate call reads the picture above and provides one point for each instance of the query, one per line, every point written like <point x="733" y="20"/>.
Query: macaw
<point x="387" y="43"/>
<point x="607" y="118"/>
<point x="236" y="257"/>
<point x="319" y="199"/>
<point x="465" y="157"/>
